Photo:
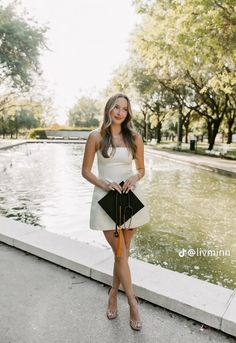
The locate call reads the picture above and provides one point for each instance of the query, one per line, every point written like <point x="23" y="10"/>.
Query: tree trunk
<point x="230" y="123"/>
<point x="16" y="125"/>
<point x="209" y="130"/>
<point x="180" y="128"/>
<point x="186" y="132"/>
<point x="158" y="130"/>
<point x="145" y="125"/>
<point x="148" y="131"/>
<point x="216" y="125"/>
<point x="186" y="123"/>
<point x="229" y="137"/>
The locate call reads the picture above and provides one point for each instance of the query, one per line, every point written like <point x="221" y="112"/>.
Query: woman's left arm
<point x="139" y="162"/>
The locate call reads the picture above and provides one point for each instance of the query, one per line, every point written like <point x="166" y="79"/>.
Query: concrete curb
<point x="12" y="145"/>
<point x="200" y="300"/>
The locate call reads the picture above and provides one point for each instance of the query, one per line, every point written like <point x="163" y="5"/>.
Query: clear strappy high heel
<point x="136" y="324"/>
<point x="111" y="314"/>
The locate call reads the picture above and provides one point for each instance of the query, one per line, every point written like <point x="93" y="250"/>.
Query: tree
<point x="20" y="47"/>
<point x="212" y="105"/>
<point x="84" y="113"/>
<point x="172" y="43"/>
<point x="21" y="41"/>
<point x="134" y="79"/>
<point x="18" y="115"/>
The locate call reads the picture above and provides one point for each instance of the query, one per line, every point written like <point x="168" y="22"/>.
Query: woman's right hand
<point x="112" y="186"/>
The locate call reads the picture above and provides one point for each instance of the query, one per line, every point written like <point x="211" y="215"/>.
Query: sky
<point x="88" y="39"/>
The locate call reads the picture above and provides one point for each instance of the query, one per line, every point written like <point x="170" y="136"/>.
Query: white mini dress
<point x="117" y="167"/>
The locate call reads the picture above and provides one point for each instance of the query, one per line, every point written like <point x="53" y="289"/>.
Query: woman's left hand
<point x="129" y="184"/>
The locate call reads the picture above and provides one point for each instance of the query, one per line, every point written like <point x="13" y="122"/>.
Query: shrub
<point x="37" y="134"/>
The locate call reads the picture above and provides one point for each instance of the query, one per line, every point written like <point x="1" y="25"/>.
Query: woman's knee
<point x="122" y="258"/>
<point x="123" y="254"/>
<point x="113" y="242"/>
<point x="128" y="235"/>
<point x="111" y="239"/>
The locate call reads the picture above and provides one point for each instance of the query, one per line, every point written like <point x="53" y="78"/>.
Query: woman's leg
<point x="128" y="235"/>
<point x="121" y="272"/>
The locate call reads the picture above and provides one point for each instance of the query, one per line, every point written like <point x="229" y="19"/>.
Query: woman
<point x="116" y="144"/>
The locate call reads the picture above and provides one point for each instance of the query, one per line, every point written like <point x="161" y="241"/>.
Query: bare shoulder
<point x="95" y="137"/>
<point x="95" y="133"/>
<point x="138" y="138"/>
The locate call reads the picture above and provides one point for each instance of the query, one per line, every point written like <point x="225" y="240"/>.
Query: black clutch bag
<point x="120" y="207"/>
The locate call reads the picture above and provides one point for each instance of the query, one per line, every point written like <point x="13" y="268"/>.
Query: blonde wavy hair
<point x="127" y="128"/>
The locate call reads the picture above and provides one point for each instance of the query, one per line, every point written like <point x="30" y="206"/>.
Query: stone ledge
<point x="200" y="300"/>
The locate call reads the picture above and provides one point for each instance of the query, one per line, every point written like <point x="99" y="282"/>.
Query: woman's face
<point x="120" y="111"/>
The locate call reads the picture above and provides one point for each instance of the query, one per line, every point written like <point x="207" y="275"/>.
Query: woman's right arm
<point x="89" y="154"/>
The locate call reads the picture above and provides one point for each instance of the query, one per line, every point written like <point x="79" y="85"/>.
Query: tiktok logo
<point x="182" y="253"/>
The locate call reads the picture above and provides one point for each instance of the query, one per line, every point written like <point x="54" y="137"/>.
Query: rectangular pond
<point x="193" y="224"/>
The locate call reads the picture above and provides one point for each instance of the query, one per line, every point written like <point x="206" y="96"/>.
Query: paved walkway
<point x="43" y="302"/>
<point x="220" y="165"/>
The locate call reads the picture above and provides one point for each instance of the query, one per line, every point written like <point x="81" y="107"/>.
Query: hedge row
<point x="37" y="133"/>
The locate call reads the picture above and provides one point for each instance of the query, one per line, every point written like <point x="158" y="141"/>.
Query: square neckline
<point x="116" y="147"/>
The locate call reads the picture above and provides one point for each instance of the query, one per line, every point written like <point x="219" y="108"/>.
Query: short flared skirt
<point x="100" y="220"/>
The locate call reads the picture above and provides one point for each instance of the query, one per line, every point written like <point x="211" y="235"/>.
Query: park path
<point x="217" y="164"/>
<point x="43" y="302"/>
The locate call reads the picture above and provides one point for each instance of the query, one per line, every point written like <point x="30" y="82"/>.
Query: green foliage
<point x="84" y="113"/>
<point x="19" y="116"/>
<point x="189" y="46"/>
<point x="20" y="44"/>
<point x="26" y="119"/>
<point x="38" y="133"/>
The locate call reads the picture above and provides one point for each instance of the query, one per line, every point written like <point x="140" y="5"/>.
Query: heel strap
<point x="111" y="288"/>
<point x="136" y="298"/>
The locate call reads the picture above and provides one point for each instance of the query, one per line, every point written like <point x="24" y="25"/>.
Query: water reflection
<point x="41" y="184"/>
<point x="190" y="208"/>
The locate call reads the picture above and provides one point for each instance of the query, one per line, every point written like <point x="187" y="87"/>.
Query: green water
<point x="190" y="208"/>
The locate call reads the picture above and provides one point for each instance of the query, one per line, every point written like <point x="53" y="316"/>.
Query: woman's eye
<point x="116" y="106"/>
